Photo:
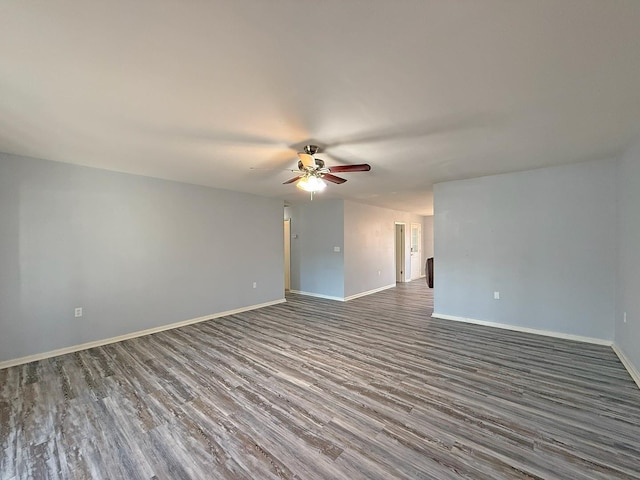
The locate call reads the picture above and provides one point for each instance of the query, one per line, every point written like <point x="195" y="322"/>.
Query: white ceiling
<point x="424" y="91"/>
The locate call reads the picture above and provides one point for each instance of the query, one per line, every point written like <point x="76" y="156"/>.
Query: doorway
<point x="287" y="255"/>
<point x="400" y="255"/>
<point x="416" y="250"/>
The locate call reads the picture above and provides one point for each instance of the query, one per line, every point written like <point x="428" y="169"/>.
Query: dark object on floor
<point x="429" y="269"/>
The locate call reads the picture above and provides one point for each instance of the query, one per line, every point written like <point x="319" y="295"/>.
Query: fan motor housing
<point x="319" y="163"/>
<point x="311" y="149"/>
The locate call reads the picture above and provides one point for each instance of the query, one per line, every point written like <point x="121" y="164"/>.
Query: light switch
<point x="336" y="249"/>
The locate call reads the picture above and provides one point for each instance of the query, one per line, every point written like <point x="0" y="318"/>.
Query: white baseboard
<point x="546" y="333"/>
<point x="369" y="292"/>
<point x="140" y="333"/>
<point x="631" y="368"/>
<point x="343" y="299"/>
<point x="318" y="295"/>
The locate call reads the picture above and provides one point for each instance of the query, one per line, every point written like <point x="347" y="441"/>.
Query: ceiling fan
<point x="313" y="172"/>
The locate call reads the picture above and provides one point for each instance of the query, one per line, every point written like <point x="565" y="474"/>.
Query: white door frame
<point x="287" y="255"/>
<point x="400" y="259"/>
<point x="416" y="255"/>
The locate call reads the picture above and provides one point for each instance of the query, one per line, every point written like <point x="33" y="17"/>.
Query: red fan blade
<point x="293" y="180"/>
<point x="363" y="167"/>
<point x="333" y="178"/>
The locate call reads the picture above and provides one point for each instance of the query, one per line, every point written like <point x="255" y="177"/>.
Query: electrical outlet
<point x="336" y="249"/>
<point x="78" y="312"/>
<point x="378" y="272"/>
<point x="624" y="317"/>
<point x="496" y="295"/>
<point x="255" y="284"/>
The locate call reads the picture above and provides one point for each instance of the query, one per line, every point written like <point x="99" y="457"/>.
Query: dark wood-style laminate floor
<point x="372" y="388"/>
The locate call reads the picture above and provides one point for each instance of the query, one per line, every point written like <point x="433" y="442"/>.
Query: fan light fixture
<point x="311" y="183"/>
<point x="312" y="174"/>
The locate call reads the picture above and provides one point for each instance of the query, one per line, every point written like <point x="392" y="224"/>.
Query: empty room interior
<point x="320" y="240"/>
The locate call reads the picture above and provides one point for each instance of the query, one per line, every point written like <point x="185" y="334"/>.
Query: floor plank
<point x="312" y="388"/>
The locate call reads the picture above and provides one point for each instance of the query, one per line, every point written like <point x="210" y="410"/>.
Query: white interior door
<point x="416" y="250"/>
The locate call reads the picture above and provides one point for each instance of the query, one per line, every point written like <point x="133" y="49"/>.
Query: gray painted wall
<point x="545" y="239"/>
<point x="369" y="239"/>
<point x="369" y="246"/>
<point x="365" y="235"/>
<point x="628" y="291"/>
<point x="427" y="238"/>
<point x="134" y="252"/>
<point x="315" y="267"/>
